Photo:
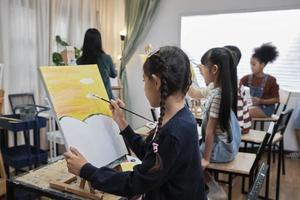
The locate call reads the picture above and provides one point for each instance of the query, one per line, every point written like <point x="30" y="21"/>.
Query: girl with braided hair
<point x="170" y="154"/>
<point x="264" y="89"/>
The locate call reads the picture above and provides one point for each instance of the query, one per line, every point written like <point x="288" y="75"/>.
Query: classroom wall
<point x="166" y="31"/>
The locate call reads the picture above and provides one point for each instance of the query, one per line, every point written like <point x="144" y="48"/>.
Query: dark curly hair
<point x="265" y="53"/>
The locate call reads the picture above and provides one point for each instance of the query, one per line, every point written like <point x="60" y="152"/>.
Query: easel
<point x="2" y="177"/>
<point x="69" y="185"/>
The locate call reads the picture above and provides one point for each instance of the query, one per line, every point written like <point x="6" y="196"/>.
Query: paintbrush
<point x="91" y="95"/>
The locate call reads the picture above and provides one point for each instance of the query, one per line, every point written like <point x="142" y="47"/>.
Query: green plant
<point x="57" y="57"/>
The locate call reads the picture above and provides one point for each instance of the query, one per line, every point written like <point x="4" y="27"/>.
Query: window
<point x="247" y="31"/>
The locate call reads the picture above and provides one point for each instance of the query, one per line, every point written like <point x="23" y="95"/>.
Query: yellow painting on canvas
<point x="70" y="88"/>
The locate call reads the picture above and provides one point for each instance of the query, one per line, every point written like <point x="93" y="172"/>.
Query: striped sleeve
<point x="243" y="111"/>
<point x="215" y="106"/>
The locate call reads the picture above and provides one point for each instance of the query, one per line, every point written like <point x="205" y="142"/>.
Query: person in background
<point x="264" y="89"/>
<point x="93" y="53"/>
<point x="242" y="111"/>
<point x="170" y="155"/>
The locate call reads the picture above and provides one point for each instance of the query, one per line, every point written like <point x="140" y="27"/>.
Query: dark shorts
<point x="267" y="109"/>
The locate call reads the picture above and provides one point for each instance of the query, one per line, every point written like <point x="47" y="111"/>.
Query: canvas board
<point x="86" y="123"/>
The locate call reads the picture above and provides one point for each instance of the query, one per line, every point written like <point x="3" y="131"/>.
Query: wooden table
<point x="37" y="181"/>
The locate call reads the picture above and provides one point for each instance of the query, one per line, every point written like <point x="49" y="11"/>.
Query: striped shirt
<point x="243" y="116"/>
<point x="242" y="110"/>
<point x="214" y="97"/>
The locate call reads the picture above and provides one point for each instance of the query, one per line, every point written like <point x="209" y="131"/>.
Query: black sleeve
<point x="138" y="181"/>
<point x="135" y="142"/>
<point x="112" y="69"/>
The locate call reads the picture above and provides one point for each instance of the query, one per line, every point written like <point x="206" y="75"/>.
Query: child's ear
<point x="156" y="81"/>
<point x="215" y="69"/>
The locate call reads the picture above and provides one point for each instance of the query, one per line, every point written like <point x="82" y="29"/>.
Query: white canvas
<point x="85" y="122"/>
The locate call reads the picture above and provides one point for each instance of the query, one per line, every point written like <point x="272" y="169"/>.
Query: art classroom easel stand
<point x="2" y="177"/>
<point x="68" y="185"/>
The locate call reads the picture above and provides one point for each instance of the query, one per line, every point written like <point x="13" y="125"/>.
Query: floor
<point x="289" y="184"/>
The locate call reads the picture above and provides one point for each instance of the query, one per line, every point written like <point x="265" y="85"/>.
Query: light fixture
<point x="122" y="35"/>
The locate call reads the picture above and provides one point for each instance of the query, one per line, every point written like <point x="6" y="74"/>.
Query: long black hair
<point x="223" y="58"/>
<point x="236" y="53"/>
<point x="172" y="66"/>
<point x="265" y="53"/>
<point x="92" y="47"/>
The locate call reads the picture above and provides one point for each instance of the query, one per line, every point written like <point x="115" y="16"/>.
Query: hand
<point x="204" y="163"/>
<point x="118" y="114"/>
<point x="75" y="161"/>
<point x="256" y="101"/>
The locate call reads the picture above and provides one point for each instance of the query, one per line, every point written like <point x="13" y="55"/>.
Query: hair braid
<point x="172" y="66"/>
<point x="163" y="96"/>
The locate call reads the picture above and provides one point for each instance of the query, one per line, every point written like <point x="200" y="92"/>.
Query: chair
<point x="259" y="180"/>
<point x="244" y="164"/>
<point x="284" y="97"/>
<point x="256" y="137"/>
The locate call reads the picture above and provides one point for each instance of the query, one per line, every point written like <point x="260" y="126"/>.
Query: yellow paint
<point x="68" y="87"/>
<point x="127" y="166"/>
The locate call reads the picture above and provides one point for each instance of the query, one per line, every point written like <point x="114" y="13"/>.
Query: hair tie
<point x="152" y="53"/>
<point x="155" y="147"/>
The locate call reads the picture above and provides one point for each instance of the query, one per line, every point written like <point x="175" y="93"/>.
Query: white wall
<point x="166" y="31"/>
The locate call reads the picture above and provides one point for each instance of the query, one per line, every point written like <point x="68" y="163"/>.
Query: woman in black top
<point x="92" y="53"/>
<point x="170" y="168"/>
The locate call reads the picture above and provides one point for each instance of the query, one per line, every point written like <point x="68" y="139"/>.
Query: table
<point x="37" y="181"/>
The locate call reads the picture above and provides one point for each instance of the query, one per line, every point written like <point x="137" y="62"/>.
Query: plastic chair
<point x="284" y="97"/>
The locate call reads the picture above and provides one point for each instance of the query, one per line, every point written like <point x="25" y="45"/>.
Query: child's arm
<point x="135" y="142"/>
<point x="271" y="101"/>
<point x="209" y="140"/>
<point x="138" y="181"/>
<point x="112" y="69"/>
<point x="198" y="93"/>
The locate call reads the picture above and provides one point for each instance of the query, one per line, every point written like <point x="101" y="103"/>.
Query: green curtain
<point x="139" y="15"/>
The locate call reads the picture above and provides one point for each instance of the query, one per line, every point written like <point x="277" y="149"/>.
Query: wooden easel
<point x="2" y="177"/>
<point x="68" y="185"/>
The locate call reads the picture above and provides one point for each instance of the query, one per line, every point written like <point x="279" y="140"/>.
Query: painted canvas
<point x="85" y="121"/>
